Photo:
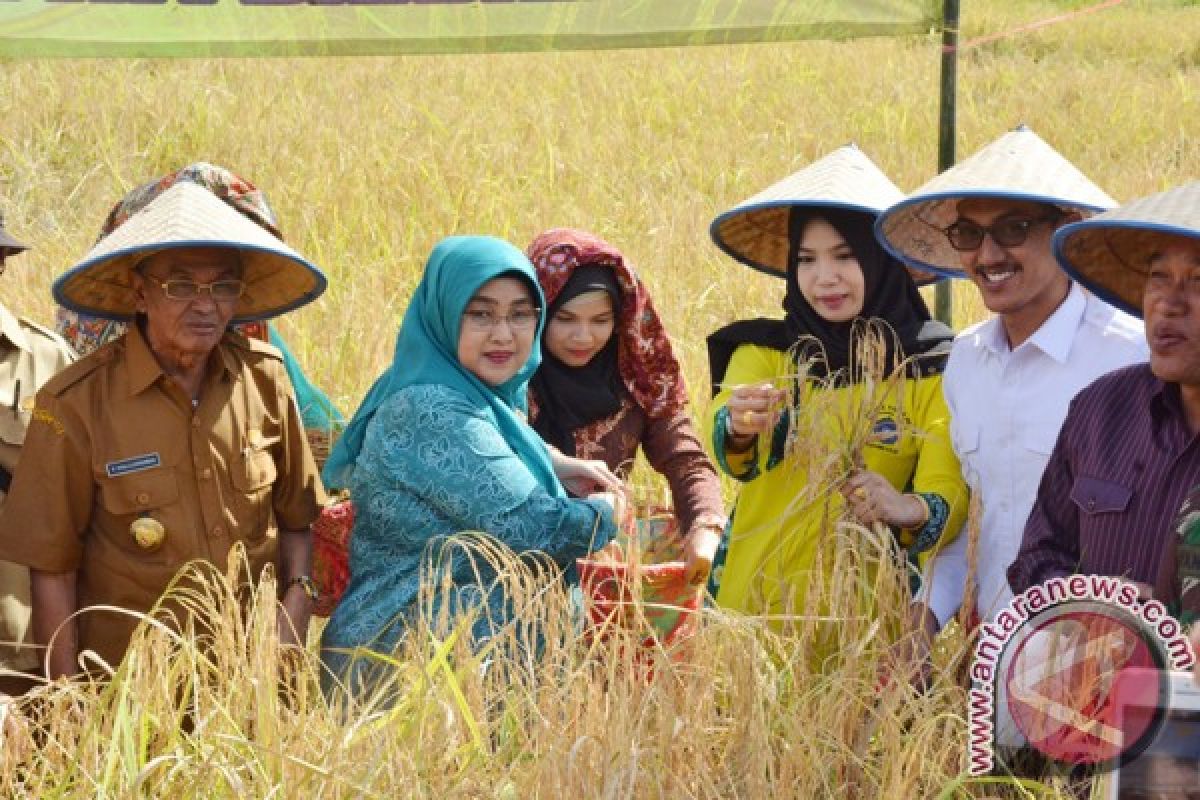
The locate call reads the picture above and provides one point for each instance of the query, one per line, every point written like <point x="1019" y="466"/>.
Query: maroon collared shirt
<point x="1124" y="462"/>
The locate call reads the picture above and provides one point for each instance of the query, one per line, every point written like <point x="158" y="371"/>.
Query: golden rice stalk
<point x="751" y="711"/>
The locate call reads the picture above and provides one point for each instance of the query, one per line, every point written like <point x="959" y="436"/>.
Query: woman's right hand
<point x="754" y="409"/>
<point x="581" y="477"/>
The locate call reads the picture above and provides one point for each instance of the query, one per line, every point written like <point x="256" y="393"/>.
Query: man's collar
<point x="144" y="368"/>
<point x="11" y="330"/>
<point x="1057" y="333"/>
<point x="1054" y="337"/>
<point x="1165" y="399"/>
<point x="993" y="337"/>
<point x="229" y="364"/>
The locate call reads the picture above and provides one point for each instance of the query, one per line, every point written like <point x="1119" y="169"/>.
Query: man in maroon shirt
<point x="1128" y="454"/>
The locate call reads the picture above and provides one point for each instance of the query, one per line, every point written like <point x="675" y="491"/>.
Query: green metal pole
<point x="943" y="309"/>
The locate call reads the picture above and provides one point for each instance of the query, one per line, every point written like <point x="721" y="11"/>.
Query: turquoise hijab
<point x="427" y="353"/>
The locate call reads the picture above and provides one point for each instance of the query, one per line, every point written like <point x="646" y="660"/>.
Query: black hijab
<point x="889" y="295"/>
<point x="568" y="397"/>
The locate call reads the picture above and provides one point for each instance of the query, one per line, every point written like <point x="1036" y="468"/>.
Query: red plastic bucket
<point x="654" y="600"/>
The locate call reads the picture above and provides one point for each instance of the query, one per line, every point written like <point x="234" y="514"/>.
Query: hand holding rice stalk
<point x="755" y="410"/>
<point x="855" y="415"/>
<point x="868" y="370"/>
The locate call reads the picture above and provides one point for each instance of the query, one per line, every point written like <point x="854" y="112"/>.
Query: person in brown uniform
<point x="174" y="442"/>
<point x="29" y="356"/>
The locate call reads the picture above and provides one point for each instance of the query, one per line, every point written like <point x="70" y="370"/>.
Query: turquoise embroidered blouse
<point x="432" y="465"/>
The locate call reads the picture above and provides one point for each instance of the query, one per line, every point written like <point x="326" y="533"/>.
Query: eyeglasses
<point x="1008" y="232"/>
<point x="483" y="321"/>
<point x="217" y="290"/>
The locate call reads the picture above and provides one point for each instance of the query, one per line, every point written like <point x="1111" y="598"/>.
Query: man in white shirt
<point x="1008" y="380"/>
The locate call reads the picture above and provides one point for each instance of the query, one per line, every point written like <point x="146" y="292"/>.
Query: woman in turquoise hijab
<point x="440" y="445"/>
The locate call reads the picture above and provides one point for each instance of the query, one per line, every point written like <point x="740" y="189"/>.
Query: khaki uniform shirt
<point x="29" y="356"/>
<point x="113" y="439"/>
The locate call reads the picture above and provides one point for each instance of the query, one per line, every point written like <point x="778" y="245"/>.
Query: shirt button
<point x="206" y="474"/>
<point x="142" y="498"/>
<point x="195" y="421"/>
<point x="218" y="530"/>
<point x="1092" y="504"/>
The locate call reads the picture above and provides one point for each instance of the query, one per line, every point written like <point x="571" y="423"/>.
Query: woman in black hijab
<point x="586" y="387"/>
<point x="840" y="283"/>
<point x="609" y="383"/>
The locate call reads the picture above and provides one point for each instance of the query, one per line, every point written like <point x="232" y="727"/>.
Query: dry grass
<point x="745" y="714"/>
<point x="368" y="163"/>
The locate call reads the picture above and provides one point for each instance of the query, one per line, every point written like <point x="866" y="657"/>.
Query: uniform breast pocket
<point x="1096" y="496"/>
<point x="253" y="477"/>
<point x="152" y="494"/>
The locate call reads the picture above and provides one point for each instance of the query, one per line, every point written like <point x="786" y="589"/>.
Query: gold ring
<point x="860" y="493"/>
<point x="747" y="417"/>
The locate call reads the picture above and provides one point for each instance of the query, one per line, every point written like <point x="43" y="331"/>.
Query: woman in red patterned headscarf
<point x="609" y="382"/>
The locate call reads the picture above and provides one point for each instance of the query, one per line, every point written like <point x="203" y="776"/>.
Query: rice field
<point x="369" y="162"/>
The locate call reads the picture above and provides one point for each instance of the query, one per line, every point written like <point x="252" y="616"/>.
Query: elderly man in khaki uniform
<point x="175" y="442"/>
<point x="29" y="356"/>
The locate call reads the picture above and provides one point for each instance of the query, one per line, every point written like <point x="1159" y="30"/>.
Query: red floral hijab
<point x="646" y="362"/>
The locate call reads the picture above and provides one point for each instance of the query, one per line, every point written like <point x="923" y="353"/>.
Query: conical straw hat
<point x="278" y="279"/>
<point x="1018" y="166"/>
<point x="755" y="232"/>
<point x="1109" y="253"/>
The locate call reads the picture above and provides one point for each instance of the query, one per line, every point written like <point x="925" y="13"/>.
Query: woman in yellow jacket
<point x="906" y="476"/>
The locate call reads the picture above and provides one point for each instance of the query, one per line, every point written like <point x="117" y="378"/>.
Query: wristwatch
<point x="306" y="583"/>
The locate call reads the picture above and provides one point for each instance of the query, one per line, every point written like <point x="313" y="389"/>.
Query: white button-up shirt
<point x="1006" y="408"/>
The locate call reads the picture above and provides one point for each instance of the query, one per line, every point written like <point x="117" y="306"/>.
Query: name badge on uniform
<point x="116" y="469"/>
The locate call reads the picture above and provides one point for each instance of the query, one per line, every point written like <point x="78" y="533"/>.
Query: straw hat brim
<point x="11" y="245"/>
<point x="275" y="283"/>
<point x="920" y="222"/>
<point x="1110" y="253"/>
<point x="757" y="235"/>
<point x="278" y="279"/>
<point x="1017" y="166"/>
<point x="755" y="232"/>
<point x="1110" y="257"/>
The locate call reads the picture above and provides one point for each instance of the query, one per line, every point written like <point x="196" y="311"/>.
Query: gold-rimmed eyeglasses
<point x="228" y="289"/>
<point x="482" y="320"/>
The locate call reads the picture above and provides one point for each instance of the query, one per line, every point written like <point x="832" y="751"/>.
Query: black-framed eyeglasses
<point x="1008" y="232"/>
<point x="482" y="320"/>
<point x="229" y="289"/>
